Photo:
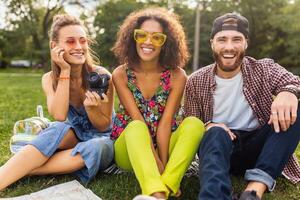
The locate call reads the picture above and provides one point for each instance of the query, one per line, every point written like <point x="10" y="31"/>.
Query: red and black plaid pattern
<point x="262" y="79"/>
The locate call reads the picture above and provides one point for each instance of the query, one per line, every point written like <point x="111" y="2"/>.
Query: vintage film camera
<point x="98" y="83"/>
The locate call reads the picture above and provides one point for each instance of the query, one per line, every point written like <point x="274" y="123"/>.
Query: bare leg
<point x="69" y="141"/>
<point x="161" y="195"/>
<point x="259" y="187"/>
<point x="28" y="159"/>
<point x="60" y="163"/>
<point x="20" y="165"/>
<point x="178" y="193"/>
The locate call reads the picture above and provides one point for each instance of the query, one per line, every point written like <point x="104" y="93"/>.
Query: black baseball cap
<point x="230" y="21"/>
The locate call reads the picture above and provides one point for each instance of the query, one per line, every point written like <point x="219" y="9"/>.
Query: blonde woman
<point x="82" y="143"/>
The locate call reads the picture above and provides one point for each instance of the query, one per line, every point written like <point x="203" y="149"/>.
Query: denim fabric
<point x="49" y="139"/>
<point x="263" y="153"/>
<point x="260" y="176"/>
<point x="97" y="154"/>
<point x="214" y="164"/>
<point x="95" y="148"/>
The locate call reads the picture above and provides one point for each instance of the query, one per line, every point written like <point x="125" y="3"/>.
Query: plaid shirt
<point x="262" y="79"/>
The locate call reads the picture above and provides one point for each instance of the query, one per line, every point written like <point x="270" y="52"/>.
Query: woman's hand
<point x="57" y="56"/>
<point x="93" y="100"/>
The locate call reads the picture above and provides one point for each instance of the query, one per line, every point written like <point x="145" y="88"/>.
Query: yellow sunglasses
<point x="157" y="39"/>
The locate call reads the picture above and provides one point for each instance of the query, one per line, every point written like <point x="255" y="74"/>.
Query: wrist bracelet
<point x="63" y="78"/>
<point x="291" y="89"/>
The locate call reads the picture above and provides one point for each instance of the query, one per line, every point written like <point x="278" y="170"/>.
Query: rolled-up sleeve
<point x="281" y="79"/>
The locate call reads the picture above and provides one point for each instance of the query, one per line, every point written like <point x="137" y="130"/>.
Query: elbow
<point x="59" y="117"/>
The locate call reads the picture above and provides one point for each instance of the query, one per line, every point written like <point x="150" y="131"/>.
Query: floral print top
<point x="151" y="109"/>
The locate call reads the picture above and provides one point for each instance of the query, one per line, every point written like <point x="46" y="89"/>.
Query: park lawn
<point x="21" y="92"/>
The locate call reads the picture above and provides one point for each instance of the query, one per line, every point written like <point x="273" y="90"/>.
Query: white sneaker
<point x="144" y="197"/>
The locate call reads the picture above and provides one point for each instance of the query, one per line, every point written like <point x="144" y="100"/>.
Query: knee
<point x="136" y="124"/>
<point x="136" y="129"/>
<point x="216" y="136"/>
<point x="298" y="113"/>
<point x="217" y="133"/>
<point x="296" y="125"/>
<point x="216" y="139"/>
<point x="100" y="145"/>
<point x="101" y="149"/>
<point x="193" y="123"/>
<point x="194" y="127"/>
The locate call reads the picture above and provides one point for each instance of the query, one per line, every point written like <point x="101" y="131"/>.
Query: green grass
<point x="21" y="70"/>
<point x="20" y="93"/>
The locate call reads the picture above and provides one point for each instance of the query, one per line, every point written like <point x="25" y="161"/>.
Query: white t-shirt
<point x="231" y="106"/>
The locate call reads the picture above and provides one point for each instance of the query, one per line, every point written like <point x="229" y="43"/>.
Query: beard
<point x="229" y="68"/>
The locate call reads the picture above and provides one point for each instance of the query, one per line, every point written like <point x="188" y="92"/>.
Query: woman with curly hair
<point x="151" y="136"/>
<point x="79" y="141"/>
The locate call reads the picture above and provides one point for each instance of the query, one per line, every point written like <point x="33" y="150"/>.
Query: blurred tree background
<point x="274" y="27"/>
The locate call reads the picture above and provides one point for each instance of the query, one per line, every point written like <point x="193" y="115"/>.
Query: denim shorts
<point x="95" y="148"/>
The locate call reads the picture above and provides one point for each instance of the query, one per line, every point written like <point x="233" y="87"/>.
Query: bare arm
<point x="178" y="80"/>
<point x="57" y="101"/>
<point x="100" y="111"/>
<point x="125" y="96"/>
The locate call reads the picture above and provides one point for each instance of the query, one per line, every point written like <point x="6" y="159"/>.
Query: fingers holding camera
<point x="93" y="99"/>
<point x="100" y="98"/>
<point x="104" y="98"/>
<point x="57" y="55"/>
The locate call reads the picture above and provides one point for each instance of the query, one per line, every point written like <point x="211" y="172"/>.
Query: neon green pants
<point x="133" y="151"/>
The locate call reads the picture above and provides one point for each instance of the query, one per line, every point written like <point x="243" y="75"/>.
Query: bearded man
<point x="248" y="131"/>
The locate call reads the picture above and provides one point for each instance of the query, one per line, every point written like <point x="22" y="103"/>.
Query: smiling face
<point x="147" y="51"/>
<point x="73" y="40"/>
<point x="229" y="49"/>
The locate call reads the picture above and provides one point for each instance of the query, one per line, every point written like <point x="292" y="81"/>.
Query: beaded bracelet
<point x="63" y="78"/>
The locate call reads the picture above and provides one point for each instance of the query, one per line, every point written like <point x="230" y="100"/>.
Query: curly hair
<point x="174" y="52"/>
<point x="60" y="21"/>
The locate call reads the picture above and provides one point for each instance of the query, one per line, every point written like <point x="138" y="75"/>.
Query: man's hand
<point x="283" y="111"/>
<point x="230" y="133"/>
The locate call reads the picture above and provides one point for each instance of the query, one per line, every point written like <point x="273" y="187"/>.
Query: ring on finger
<point x="274" y="113"/>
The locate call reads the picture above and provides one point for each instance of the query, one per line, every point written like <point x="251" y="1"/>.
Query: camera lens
<point x="94" y="77"/>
